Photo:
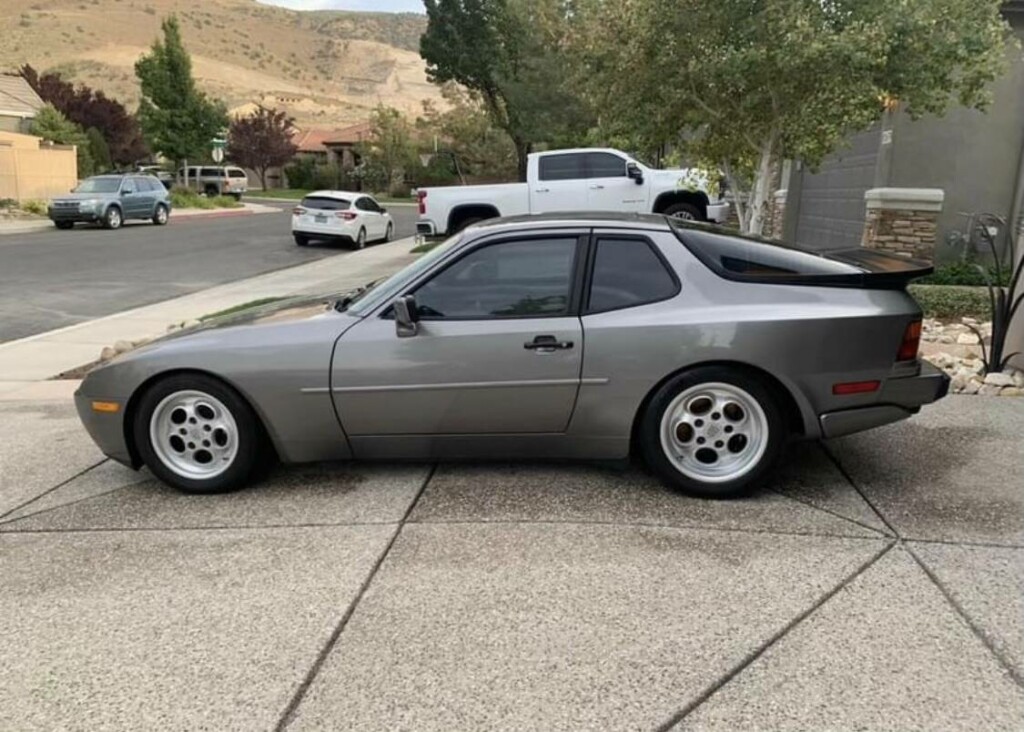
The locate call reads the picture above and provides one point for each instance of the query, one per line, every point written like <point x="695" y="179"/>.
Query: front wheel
<point x="112" y="218"/>
<point x="684" y="212"/>
<point x="64" y="224"/>
<point x="160" y="215"/>
<point x="198" y="435"/>
<point x="713" y="432"/>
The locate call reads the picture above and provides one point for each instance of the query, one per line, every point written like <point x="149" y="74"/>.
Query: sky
<point x="387" y="6"/>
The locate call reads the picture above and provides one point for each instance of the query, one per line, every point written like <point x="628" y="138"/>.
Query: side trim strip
<point x="469" y="385"/>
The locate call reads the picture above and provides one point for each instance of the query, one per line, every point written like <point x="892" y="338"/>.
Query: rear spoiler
<point x="882" y="271"/>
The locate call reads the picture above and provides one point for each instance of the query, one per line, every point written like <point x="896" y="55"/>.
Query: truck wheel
<point x="684" y="211"/>
<point x="211" y="191"/>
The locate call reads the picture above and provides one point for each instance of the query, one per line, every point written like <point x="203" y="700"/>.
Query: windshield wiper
<point x="342" y="304"/>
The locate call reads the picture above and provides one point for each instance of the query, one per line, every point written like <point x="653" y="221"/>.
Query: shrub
<point x="182" y="197"/>
<point x="8" y="203"/>
<point x="34" y="207"/>
<point x="952" y="302"/>
<point x="961" y="273"/>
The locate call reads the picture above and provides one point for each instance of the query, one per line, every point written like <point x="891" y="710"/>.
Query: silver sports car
<point x="558" y="336"/>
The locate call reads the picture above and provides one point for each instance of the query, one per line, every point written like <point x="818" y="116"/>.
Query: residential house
<point x="19" y="103"/>
<point x="334" y="146"/>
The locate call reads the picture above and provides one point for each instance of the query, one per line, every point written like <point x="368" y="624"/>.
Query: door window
<point x="369" y="205"/>
<point x="512" y="279"/>
<point x="628" y="272"/>
<point x="562" y="167"/>
<point x="363" y="204"/>
<point x="128" y="186"/>
<point x="605" y="165"/>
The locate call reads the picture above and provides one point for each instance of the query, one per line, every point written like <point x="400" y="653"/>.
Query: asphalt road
<point x="52" y="279"/>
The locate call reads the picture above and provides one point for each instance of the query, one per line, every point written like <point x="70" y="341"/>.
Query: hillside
<point x="326" y="68"/>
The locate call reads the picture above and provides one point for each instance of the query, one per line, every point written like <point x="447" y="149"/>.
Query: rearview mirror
<point x="406" y="316"/>
<point x="633" y="171"/>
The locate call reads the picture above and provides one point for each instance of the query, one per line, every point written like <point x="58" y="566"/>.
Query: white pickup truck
<point x="582" y="179"/>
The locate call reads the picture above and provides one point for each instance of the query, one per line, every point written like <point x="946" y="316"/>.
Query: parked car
<point x="111" y="200"/>
<point x="354" y="218"/>
<point x="165" y="177"/>
<point x="557" y="336"/>
<point x="215" y="180"/>
<point x="583" y="179"/>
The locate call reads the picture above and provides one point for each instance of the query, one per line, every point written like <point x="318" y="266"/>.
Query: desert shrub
<point x="951" y="302"/>
<point x="960" y="273"/>
<point x="8" y="203"/>
<point x="34" y="207"/>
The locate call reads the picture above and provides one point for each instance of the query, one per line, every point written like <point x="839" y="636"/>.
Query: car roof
<point x="619" y="219"/>
<point x="343" y="195"/>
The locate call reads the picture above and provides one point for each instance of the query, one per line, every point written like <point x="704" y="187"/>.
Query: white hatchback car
<point x="354" y="218"/>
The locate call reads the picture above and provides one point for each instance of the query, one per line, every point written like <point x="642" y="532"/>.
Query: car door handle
<point x="547" y="343"/>
<point x="542" y="190"/>
<point x="597" y="187"/>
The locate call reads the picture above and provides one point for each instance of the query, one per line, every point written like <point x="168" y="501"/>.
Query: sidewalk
<point x="26" y="362"/>
<point x="31" y="225"/>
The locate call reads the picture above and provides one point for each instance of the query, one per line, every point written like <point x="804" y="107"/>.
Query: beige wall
<point x="30" y="171"/>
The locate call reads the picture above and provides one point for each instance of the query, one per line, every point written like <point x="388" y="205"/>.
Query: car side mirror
<point x="633" y="171"/>
<point x="383" y="210"/>
<point x="406" y="316"/>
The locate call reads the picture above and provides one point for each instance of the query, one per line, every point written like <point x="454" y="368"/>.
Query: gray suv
<point x="111" y="200"/>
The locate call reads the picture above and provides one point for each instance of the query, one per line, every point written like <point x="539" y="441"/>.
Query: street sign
<point x="217" y="154"/>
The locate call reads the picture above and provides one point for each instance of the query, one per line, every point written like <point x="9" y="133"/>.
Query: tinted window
<point x="144" y="185"/>
<point x="562" y="167"/>
<point x="212" y="173"/>
<point x="363" y="205"/>
<point x="99" y="185"/>
<point x="236" y="173"/>
<point x="128" y="186"/>
<point x="327" y="204"/>
<point x="605" y="165"/>
<point x="507" y="280"/>
<point x="627" y="272"/>
<point x="369" y="204"/>
<point x="761" y="258"/>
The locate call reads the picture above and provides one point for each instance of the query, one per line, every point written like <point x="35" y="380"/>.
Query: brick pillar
<point x="901" y="221"/>
<point x="778" y="215"/>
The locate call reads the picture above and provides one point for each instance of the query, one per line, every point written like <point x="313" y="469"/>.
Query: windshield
<point x="392" y="286"/>
<point x="99" y="185"/>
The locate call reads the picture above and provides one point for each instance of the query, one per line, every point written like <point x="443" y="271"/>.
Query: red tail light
<point x="347" y="215"/>
<point x="911" y="341"/>
<point x="855" y="387"/>
<point x="421" y="199"/>
<point x="298" y="211"/>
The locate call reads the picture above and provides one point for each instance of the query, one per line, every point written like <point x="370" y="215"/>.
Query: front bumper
<point x="75" y="215"/>
<point x="718" y="212"/>
<point x="899" y="399"/>
<point x="106" y="429"/>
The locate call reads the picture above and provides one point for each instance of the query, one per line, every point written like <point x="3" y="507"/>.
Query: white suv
<point x="354" y="218"/>
<point x="213" y="180"/>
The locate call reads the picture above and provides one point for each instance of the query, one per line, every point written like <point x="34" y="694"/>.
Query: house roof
<point x="17" y="98"/>
<point x="318" y="140"/>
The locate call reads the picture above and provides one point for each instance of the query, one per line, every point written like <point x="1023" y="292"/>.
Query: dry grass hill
<point x="326" y="68"/>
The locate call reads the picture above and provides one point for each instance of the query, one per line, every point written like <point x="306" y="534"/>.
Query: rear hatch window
<point x="753" y="259"/>
<point x="325" y="204"/>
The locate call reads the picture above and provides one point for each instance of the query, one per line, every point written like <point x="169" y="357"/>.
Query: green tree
<point x="388" y="151"/>
<point x="510" y="53"/>
<point x="745" y="83"/>
<point x="99" y="150"/>
<point x="261" y="141"/>
<point x="53" y="126"/>
<point x="178" y="120"/>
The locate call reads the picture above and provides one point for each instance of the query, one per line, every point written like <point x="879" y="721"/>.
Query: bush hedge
<point x="961" y="273"/>
<point x="952" y="302"/>
<point x="182" y="197"/>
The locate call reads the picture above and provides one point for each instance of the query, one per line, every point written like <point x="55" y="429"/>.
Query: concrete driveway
<point x="878" y="583"/>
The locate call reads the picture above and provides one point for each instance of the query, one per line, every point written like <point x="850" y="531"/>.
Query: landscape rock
<point x="107" y="353"/>
<point x="1012" y="391"/>
<point x="998" y="379"/>
<point x="989" y="390"/>
<point x="122" y="346"/>
<point x="967" y="339"/>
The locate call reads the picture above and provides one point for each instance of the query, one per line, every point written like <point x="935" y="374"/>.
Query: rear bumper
<point x="899" y="399"/>
<point x="718" y="212"/>
<point x="425" y="227"/>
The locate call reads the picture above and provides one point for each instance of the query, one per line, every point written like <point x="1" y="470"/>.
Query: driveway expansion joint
<point x="48" y="491"/>
<point x="830" y="512"/>
<point x="293" y="705"/>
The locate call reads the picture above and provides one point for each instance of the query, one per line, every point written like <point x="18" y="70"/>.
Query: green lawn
<point x="294" y="194"/>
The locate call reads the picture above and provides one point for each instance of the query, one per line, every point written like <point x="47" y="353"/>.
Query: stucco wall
<point x="28" y="171"/>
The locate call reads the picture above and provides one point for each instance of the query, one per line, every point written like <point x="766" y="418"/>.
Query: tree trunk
<point x="263" y="177"/>
<point x="522" y="156"/>
<point x="761" y="190"/>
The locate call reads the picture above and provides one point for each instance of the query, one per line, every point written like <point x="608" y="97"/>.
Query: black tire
<point x="211" y="191"/>
<point x="113" y="218"/>
<point x="160" y="215"/>
<point x="253" y="453"/>
<point x="237" y="196"/>
<point x="301" y="240"/>
<point x="685" y="211"/>
<point x="64" y="225"/>
<point x="758" y="469"/>
<point x="360" y="241"/>
<point x="389" y="233"/>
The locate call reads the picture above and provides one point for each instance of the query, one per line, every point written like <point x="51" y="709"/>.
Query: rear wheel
<point x="160" y="215"/>
<point x="112" y="218"/>
<point x="713" y="432"/>
<point x="64" y="224"/>
<point x="684" y="212"/>
<point x="360" y="240"/>
<point x="389" y="233"/>
<point x="301" y="240"/>
<point x="198" y="435"/>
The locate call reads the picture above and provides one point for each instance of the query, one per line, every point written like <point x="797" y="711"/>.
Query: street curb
<point x="28" y="227"/>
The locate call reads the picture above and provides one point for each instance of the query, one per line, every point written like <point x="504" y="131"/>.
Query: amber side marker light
<point x="855" y="387"/>
<point x="106" y="407"/>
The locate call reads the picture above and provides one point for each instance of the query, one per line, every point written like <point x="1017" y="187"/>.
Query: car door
<point x="561" y="183"/>
<point x="608" y="187"/>
<point x="371" y="216"/>
<point x="129" y="199"/>
<point x="497" y="351"/>
<point x="145" y="189"/>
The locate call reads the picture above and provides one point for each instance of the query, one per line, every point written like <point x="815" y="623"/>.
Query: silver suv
<point x="222" y="180"/>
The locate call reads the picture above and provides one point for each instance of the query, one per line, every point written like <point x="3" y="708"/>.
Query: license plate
<point x="320" y="219"/>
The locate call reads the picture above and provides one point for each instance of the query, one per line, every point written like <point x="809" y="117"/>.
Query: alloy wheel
<point x="194" y="435"/>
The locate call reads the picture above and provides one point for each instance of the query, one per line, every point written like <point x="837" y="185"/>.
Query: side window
<point x="361" y="204"/>
<point x="562" y="167"/>
<point x="143" y="185"/>
<point x="628" y="272"/>
<point x="237" y="173"/>
<point x="371" y="205"/>
<point x="512" y="279"/>
<point x="605" y="165"/>
<point x="127" y="186"/>
<point x="210" y="173"/>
